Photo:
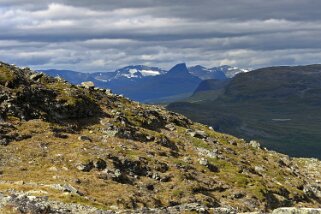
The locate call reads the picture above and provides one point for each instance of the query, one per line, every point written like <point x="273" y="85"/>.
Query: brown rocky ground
<point x="82" y="149"/>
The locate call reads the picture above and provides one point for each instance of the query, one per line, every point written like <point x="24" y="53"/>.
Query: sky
<point x="103" y="35"/>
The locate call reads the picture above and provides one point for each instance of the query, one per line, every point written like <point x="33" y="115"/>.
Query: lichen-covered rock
<point x="88" y="85"/>
<point x="293" y="210"/>
<point x="255" y="144"/>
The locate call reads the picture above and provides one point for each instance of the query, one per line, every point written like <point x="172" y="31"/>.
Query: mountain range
<point x="150" y="84"/>
<point x="277" y="105"/>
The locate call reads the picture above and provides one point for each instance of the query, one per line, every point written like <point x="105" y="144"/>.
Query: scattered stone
<point x="19" y="182"/>
<point x="110" y="133"/>
<point x="259" y="169"/>
<point x="164" y="141"/>
<point x="88" y="85"/>
<point x="161" y="167"/>
<point x="170" y="127"/>
<point x="188" y="160"/>
<point x="105" y="122"/>
<point x="71" y="189"/>
<point x="36" y="76"/>
<point x="203" y="161"/>
<point x="23" y="203"/>
<point x="60" y="135"/>
<point x="66" y="188"/>
<point x="77" y="181"/>
<point x="4" y="142"/>
<point x="210" y="166"/>
<point x="294" y="210"/>
<point x="119" y="176"/>
<point x="211" y="154"/>
<point x="150" y="187"/>
<point x="284" y="162"/>
<point x="150" y="138"/>
<point x="84" y="138"/>
<point x="53" y="169"/>
<point x="212" y="140"/>
<point x="108" y="91"/>
<point x="224" y="210"/>
<point x="255" y="144"/>
<point x="199" y="134"/>
<point x="100" y="164"/>
<point x="86" y="167"/>
<point x="232" y="142"/>
<point x="312" y="190"/>
<point x="165" y="178"/>
<point x="239" y="195"/>
<point x="155" y="176"/>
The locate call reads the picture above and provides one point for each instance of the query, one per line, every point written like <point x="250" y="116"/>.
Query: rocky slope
<point x="80" y="149"/>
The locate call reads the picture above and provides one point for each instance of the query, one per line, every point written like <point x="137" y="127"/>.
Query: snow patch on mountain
<point x="135" y="73"/>
<point x="149" y="73"/>
<point x="219" y="72"/>
<point x="230" y="71"/>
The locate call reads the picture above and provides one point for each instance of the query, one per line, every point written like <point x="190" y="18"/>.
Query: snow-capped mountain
<point x="230" y="71"/>
<point x="205" y="73"/>
<point x="129" y="72"/>
<point x="144" y="83"/>
<point x="220" y="72"/>
<point x="176" y="82"/>
<point x="138" y="71"/>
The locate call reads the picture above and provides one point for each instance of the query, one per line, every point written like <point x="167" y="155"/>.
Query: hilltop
<point x="279" y="106"/>
<point x="80" y="149"/>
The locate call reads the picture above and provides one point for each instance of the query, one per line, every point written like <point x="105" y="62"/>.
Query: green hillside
<point x="280" y="106"/>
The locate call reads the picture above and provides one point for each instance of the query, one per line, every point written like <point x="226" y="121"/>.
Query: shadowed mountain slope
<point x="278" y="106"/>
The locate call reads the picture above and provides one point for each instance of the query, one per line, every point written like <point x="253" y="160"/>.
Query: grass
<point x="65" y="95"/>
<point x="253" y="120"/>
<point x="6" y="75"/>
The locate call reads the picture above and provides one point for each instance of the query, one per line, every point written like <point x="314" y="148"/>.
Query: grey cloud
<point x="202" y="9"/>
<point x="103" y="35"/>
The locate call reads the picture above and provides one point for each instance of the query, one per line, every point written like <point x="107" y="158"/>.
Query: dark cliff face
<point x="87" y="146"/>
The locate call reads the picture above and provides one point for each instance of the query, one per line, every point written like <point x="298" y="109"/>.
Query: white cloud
<point x="105" y="35"/>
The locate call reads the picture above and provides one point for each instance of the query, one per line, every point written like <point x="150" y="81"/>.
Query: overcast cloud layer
<point x="104" y="35"/>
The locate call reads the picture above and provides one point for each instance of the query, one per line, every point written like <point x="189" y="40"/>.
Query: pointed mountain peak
<point x="179" y="69"/>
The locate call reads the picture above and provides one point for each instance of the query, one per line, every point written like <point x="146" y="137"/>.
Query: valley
<point x="278" y="106"/>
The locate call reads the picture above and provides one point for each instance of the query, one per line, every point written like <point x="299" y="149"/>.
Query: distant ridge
<point x="146" y="83"/>
<point x="278" y="105"/>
